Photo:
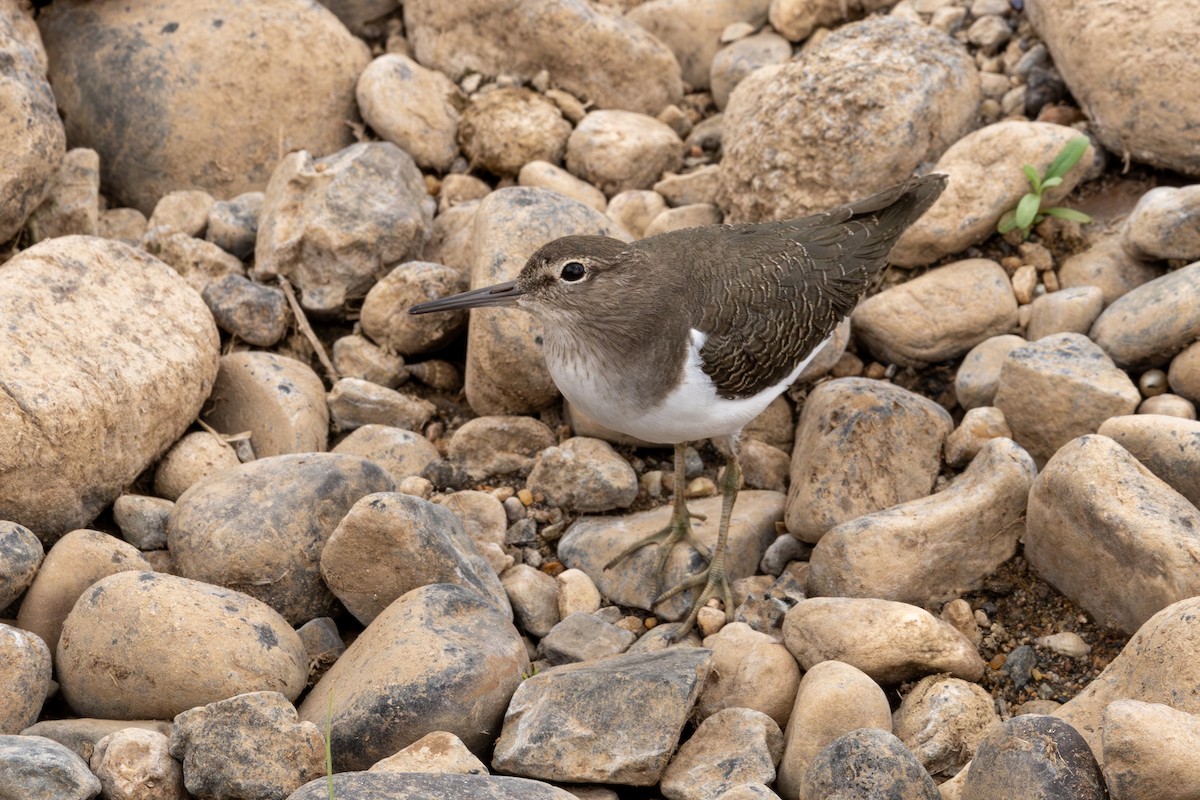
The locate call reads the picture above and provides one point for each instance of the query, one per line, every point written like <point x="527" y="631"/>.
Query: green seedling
<point x="1029" y="210"/>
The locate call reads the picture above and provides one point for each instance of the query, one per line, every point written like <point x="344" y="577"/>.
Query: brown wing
<point x="775" y="291"/>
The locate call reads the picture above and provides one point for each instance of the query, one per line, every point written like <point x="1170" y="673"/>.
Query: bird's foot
<point x="679" y="529"/>
<point x="716" y="584"/>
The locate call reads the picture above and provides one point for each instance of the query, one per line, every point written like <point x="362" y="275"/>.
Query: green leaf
<point x="1032" y="176"/>
<point x="1050" y="183"/>
<point x="1027" y="209"/>
<point x="1007" y="222"/>
<point x="1067" y="213"/>
<point x="1068" y="157"/>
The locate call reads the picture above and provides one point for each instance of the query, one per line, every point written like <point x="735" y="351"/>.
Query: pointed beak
<point x="502" y="294"/>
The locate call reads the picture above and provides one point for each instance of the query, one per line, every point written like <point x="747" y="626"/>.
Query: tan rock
<point x="498" y="445"/>
<point x="354" y="402"/>
<point x="1167" y="446"/>
<point x="750" y="670"/>
<point x="776" y="425"/>
<point x="25" y="670"/>
<point x="576" y="593"/>
<point x="942" y="721"/>
<point x="452" y="237"/>
<point x="1058" y="388"/>
<point x="978" y="427"/>
<point x="688" y="188"/>
<point x="201" y="263"/>
<point x="21" y="556"/>
<point x="635" y="209"/>
<point x="73" y="203"/>
<point x="401" y="453"/>
<point x="161" y="630"/>
<point x="861" y="446"/>
<point x="1153" y="322"/>
<point x="1106" y="265"/>
<point x="1184" y="373"/>
<point x="279" y="400"/>
<point x="186" y="211"/>
<point x="934" y="547"/>
<point x="208" y="111"/>
<point x="69" y="452"/>
<point x="1164" y="224"/>
<point x="356" y="356"/>
<point x="1149" y="749"/>
<point x="383" y="316"/>
<point x="734" y="746"/>
<point x="833" y="698"/>
<point x="1069" y="310"/>
<point x="503" y="130"/>
<point x="534" y="598"/>
<point x="544" y="175"/>
<point x="127" y="225"/>
<point x="938" y="316"/>
<point x="979" y="373"/>
<point x="438" y="752"/>
<point x="892" y="642"/>
<point x="620" y="150"/>
<point x="190" y="460"/>
<point x="1111" y="536"/>
<point x="733" y="63"/>
<point x="135" y="763"/>
<point x="412" y="107"/>
<point x="692" y="216"/>
<point x="693" y="29"/>
<point x="797" y="19"/>
<point x="1171" y="405"/>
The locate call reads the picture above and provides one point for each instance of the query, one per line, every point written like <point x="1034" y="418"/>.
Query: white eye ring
<point x="572" y="271"/>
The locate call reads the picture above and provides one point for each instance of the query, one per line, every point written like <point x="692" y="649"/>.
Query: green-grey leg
<point x="713" y="577"/>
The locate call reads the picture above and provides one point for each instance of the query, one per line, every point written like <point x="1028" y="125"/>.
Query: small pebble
<point x="1152" y="383"/>
<point x="710" y="620"/>
<point x="1067" y="643"/>
<point x="700" y="487"/>
<point x="1024" y="281"/>
<point x="1172" y="405"/>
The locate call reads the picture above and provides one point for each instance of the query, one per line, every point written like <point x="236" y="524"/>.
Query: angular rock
<point x="481" y="514"/>
<point x="979" y="373"/>
<point x="137" y="645"/>
<point x="616" y="151"/>
<point x="733" y="63"/>
<point x="534" y="598"/>
<point x="383" y="318"/>
<point x="400" y="453"/>
<point x="935" y="547"/>
<point x="418" y="786"/>
<point x="412" y="107"/>
<point x="1058" y="388"/>
<point x="582" y="638"/>
<point x="1153" y="322"/>
<point x="506" y="372"/>
<point x="861" y="446"/>
<point x="36" y="768"/>
<point x="200" y="111"/>
<point x="279" y="400"/>
<point x="1149" y="750"/>
<point x="134" y="763"/>
<point x="190" y="460"/>
<point x="1034" y="756"/>
<point x="892" y="642"/>
<point x="438" y="752"/>
<point x="604" y="58"/>
<point x="24" y="678"/>
<point x="943" y="720"/>
<point x="199" y="262"/>
<point x="867" y="763"/>
<point x="74" y="563"/>
<point x="1106" y="265"/>
<point x="253" y="312"/>
<point x="21" y="555"/>
<point x="585" y="475"/>
<point x="334" y="225"/>
<point x="32" y="129"/>
<point x="1067" y="311"/>
<point x="499" y="445"/>
<point x="73" y="203"/>
<point x="503" y="130"/>
<point x="986" y="180"/>
<point x="440" y="658"/>
<point x="833" y="699"/>
<point x="1164" y="224"/>
<point x="293" y="503"/>
<point x="734" y="746"/>
<point x="1167" y="446"/>
<point x="613" y="721"/>
<point x="250" y="745"/>
<point x="1087" y="48"/>
<point x="68" y="454"/>
<point x="1112" y="537"/>
<point x="690" y="188"/>
<point x="810" y="134"/>
<point x="591" y="542"/>
<point x="143" y="520"/>
<point x="356" y="356"/>
<point x="354" y="402"/>
<point x="82" y="735"/>
<point x="388" y="544"/>
<point x="938" y="316"/>
<point x="233" y="224"/>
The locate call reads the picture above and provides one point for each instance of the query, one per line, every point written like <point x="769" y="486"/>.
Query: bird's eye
<point x="573" y="271"/>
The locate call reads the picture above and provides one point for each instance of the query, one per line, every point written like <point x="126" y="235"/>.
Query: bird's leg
<point x="679" y="528"/>
<point x="713" y="577"/>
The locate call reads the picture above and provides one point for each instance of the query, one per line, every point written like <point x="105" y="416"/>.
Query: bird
<point x="690" y="334"/>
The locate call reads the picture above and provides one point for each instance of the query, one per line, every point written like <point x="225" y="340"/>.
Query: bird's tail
<point x="899" y="206"/>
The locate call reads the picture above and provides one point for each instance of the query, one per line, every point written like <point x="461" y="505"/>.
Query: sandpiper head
<point x="559" y="279"/>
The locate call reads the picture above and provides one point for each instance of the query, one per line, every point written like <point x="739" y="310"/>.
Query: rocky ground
<point x="253" y="510"/>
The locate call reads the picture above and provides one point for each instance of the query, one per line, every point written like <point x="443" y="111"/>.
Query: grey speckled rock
<point x="583" y="637"/>
<point x="1150" y="751"/>
<point x="612" y="721"/>
<point x="936" y="546"/>
<point x="21" y="554"/>
<point x="584" y="474"/>
<point x="1152" y="322"/>
<point x="36" y="768"/>
<point x="939" y="315"/>
<point x="868" y="764"/>
<point x="1035" y="757"/>
<point x="250" y="746"/>
<point x="491" y="446"/>
<point x="24" y="678"/>
<point x="438" y="658"/>
<point x="253" y="312"/>
<point x="942" y="720"/>
<point x="293" y="504"/>
<point x="861" y="446"/>
<point x="733" y="746"/>
<point x="1164" y="224"/>
<point x="423" y="786"/>
<point x="1111" y="536"/>
<point x="1058" y="388"/>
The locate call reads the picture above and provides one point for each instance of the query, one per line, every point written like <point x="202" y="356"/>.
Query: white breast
<point x="691" y="411"/>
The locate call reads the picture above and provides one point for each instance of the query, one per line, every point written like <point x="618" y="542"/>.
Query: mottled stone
<point x="73" y="203"/>
<point x="585" y="475"/>
<point x="388" y="785"/>
<point x="732" y="747"/>
<point x="255" y="313"/>
<point x="135" y="764"/>
<point x="619" y="150"/>
<point x="21" y="554"/>
<point x="412" y="107"/>
<point x="942" y="721"/>
<point x="978" y="427"/>
<point x="24" y="678"/>
<point x="867" y="762"/>
<point x="357" y="356"/>
<point x="1067" y="311"/>
<point x="693" y="29"/>
<point x="498" y="445"/>
<point x="1034" y="756"/>
<point x="1164" y="224"/>
<point x="583" y="637"/>
<point x="233" y="224"/>
<point x="401" y="453"/>
<point x="354" y="402"/>
<point x="534" y="598"/>
<point x="1153" y="322"/>
<point x="36" y="768"/>
<point x="750" y="670"/>
<point x="1107" y="266"/>
<point x="1167" y="446"/>
<point x="979" y="373"/>
<point x="190" y="460"/>
<point x="503" y="130"/>
<point x="733" y="63"/>
<point x="438" y="753"/>
<point x="1149" y="751"/>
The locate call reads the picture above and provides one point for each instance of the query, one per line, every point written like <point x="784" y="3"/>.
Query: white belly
<point x="692" y="410"/>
